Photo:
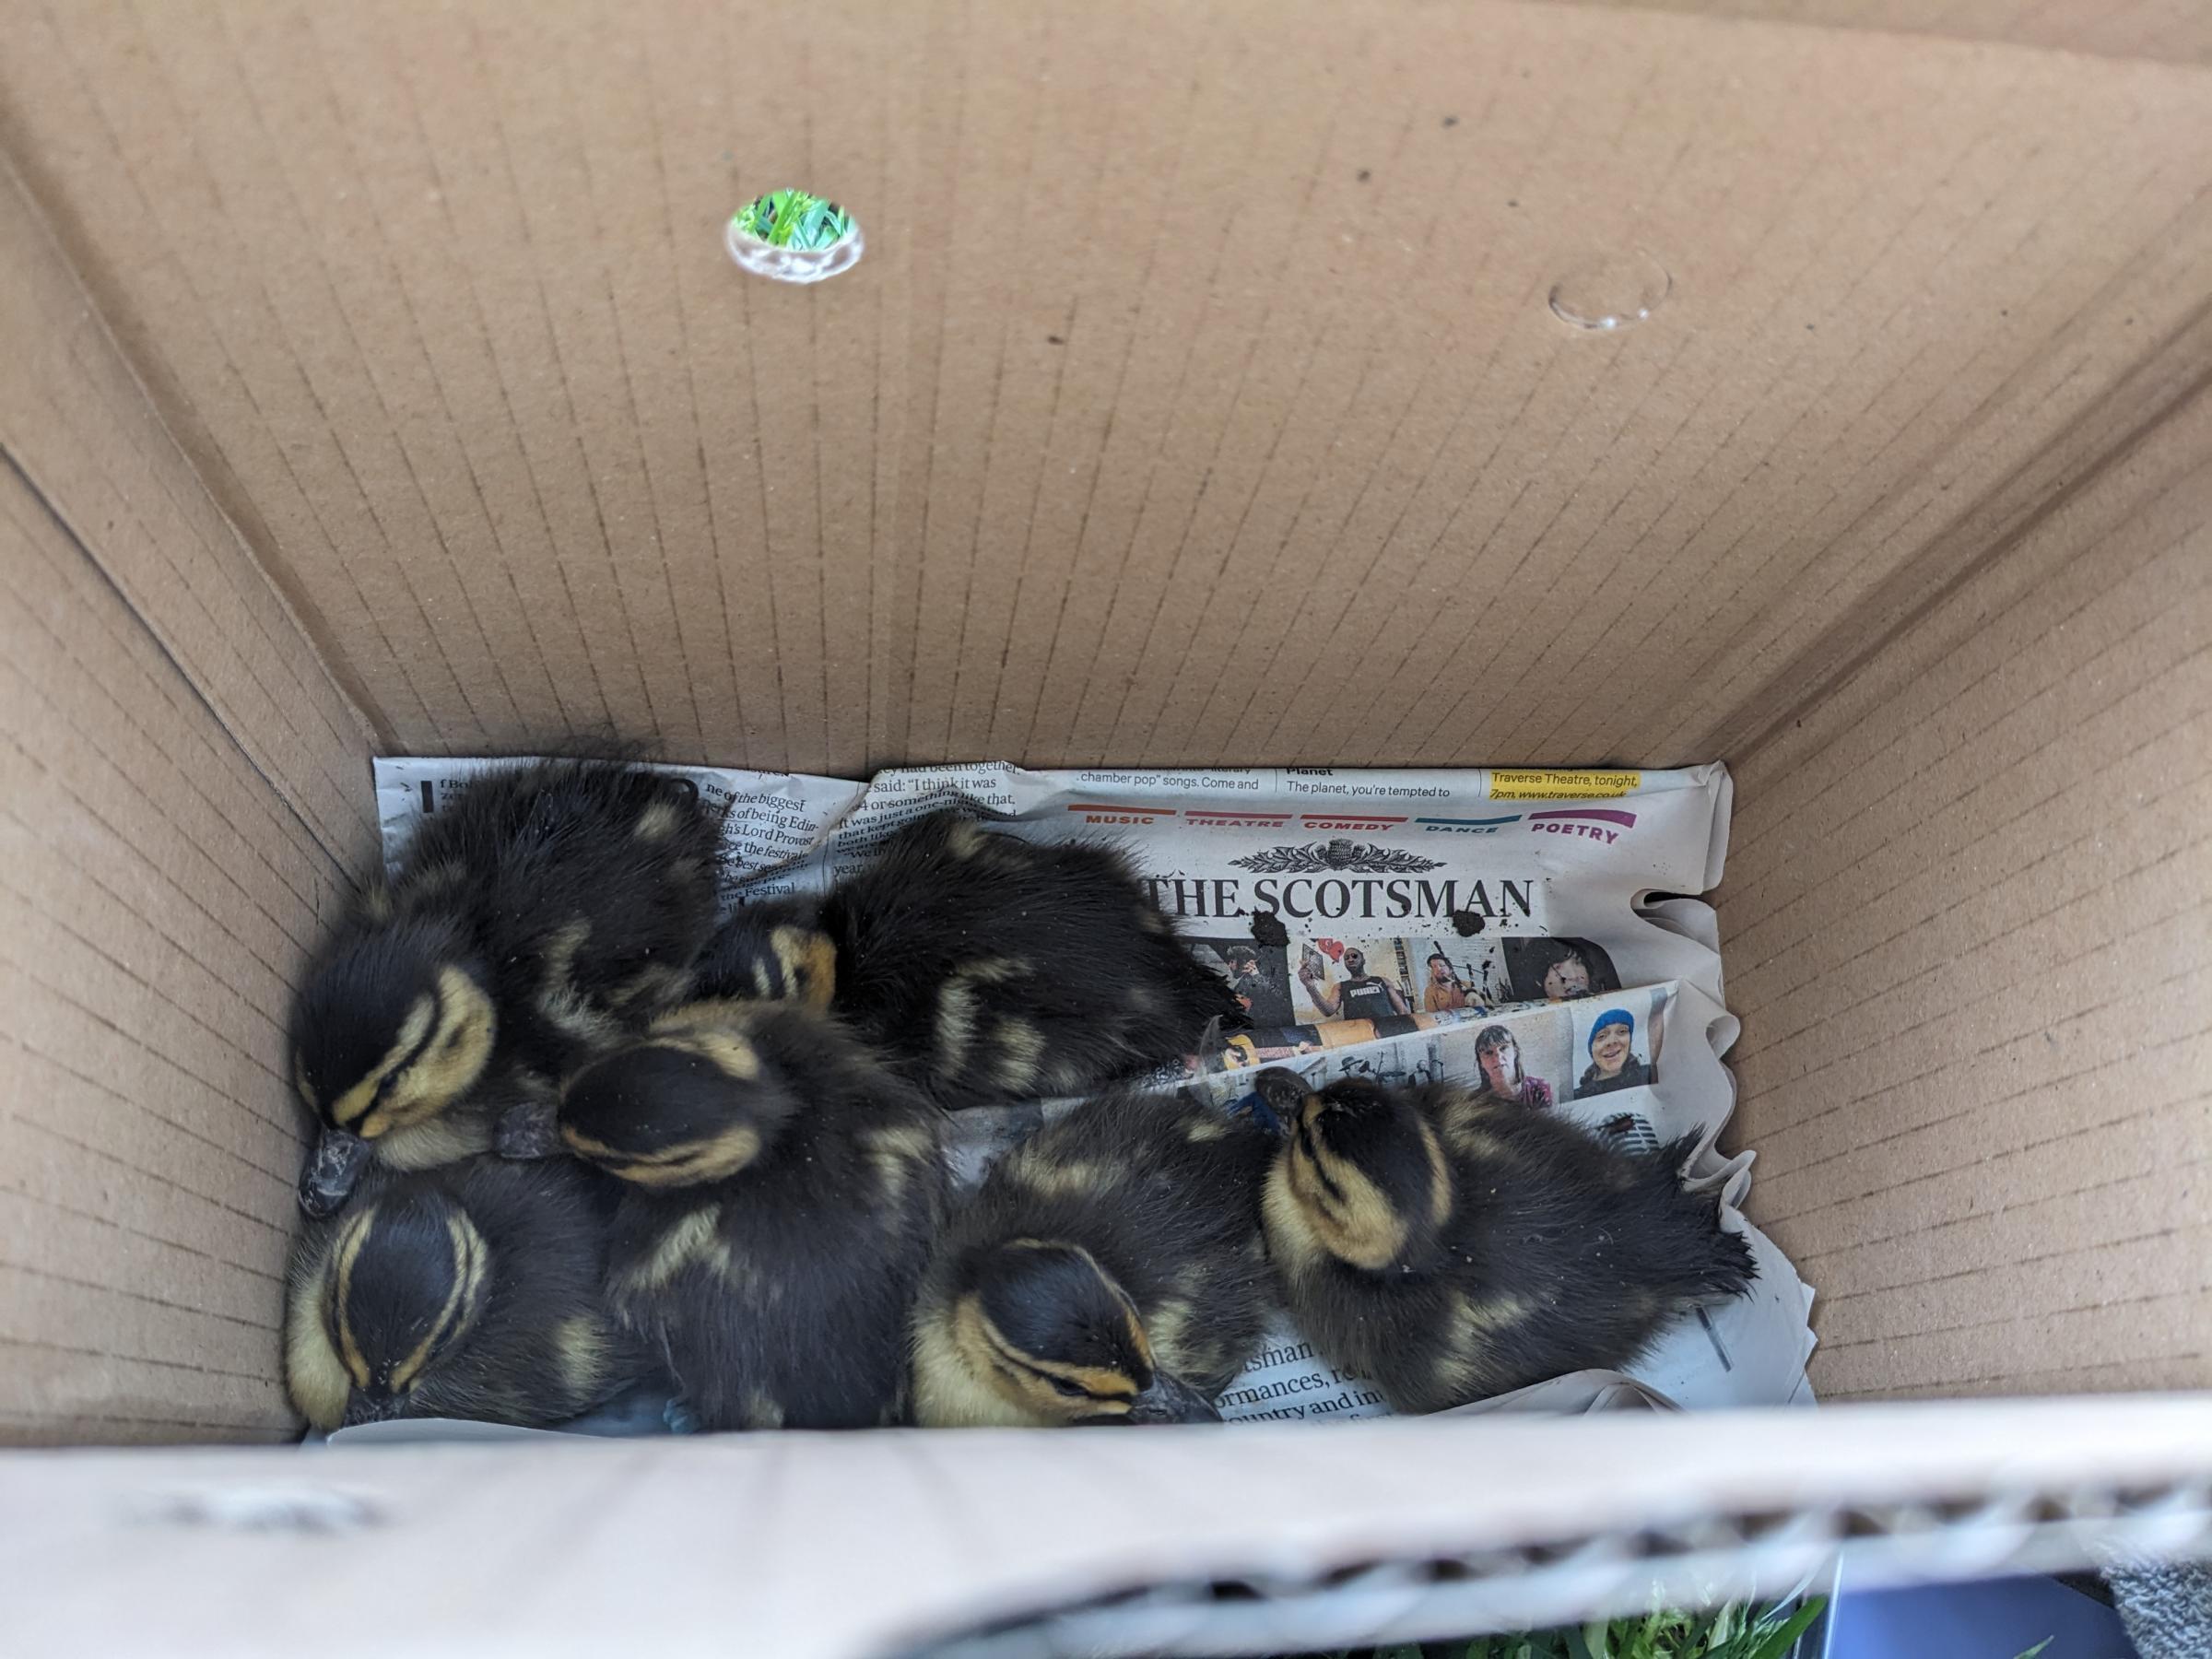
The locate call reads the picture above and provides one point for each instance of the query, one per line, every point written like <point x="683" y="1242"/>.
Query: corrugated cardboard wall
<point x="1198" y="398"/>
<point x="1966" y="918"/>
<point x="186" y="797"/>
<point x="1210" y="409"/>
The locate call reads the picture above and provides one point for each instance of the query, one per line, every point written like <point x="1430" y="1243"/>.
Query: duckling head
<point x="391" y="1028"/>
<point x="692" y="1103"/>
<point x="1360" y="1176"/>
<point x="1047" y="1332"/>
<point x="775" y="952"/>
<point x="403" y="1287"/>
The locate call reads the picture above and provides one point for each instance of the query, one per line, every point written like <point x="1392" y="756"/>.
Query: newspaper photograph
<point x="1533" y="934"/>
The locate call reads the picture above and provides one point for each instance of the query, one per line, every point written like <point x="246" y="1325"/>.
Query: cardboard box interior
<point x="374" y="378"/>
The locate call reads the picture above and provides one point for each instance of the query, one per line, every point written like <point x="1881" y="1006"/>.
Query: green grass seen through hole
<point x="792" y="219"/>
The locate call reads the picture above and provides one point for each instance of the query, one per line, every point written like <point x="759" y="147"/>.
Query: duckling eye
<point x="1073" y="1390"/>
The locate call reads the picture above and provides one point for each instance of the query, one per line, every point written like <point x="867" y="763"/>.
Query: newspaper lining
<point x="1423" y="913"/>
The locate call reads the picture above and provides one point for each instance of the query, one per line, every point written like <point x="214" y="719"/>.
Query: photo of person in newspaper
<point x="1260" y="976"/>
<point x="1443" y="993"/>
<point x="1361" y="995"/>
<point x="1247" y="1050"/>
<point x="1503" y="1081"/>
<point x="1614" y="1063"/>
<point x="1558" y="970"/>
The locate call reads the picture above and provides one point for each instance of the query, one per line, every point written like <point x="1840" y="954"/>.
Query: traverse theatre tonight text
<point x="1333" y="898"/>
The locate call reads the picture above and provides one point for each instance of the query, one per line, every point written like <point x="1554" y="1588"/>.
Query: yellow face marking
<point x="808" y="960"/>
<point x="446" y="1069"/>
<point x="657" y="822"/>
<point x="349" y="1251"/>
<point x="467" y="1250"/>
<point x="731" y="1055"/>
<point x="956" y="1386"/>
<point x="1291" y="1238"/>
<point x="1170" y="1330"/>
<point x="314" y="1375"/>
<point x="354" y="1102"/>
<point x="692" y="1164"/>
<point x="447" y="1138"/>
<point x="1022" y="1379"/>
<point x="1355" y="1221"/>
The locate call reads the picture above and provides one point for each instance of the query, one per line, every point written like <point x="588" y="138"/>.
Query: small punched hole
<point x="791" y="236"/>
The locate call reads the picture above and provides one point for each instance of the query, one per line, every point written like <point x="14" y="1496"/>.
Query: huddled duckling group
<point x="575" y="1140"/>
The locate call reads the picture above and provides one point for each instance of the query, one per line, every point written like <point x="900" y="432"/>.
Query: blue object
<point x="1997" y="1619"/>
<point x="1612" y="1017"/>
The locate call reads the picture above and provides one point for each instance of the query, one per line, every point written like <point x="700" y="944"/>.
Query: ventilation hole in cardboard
<point x="791" y="236"/>
<point x="1610" y="291"/>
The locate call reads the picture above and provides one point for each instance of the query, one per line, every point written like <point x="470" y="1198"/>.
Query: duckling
<point x="548" y="912"/>
<point x="472" y="1290"/>
<point x="1109" y="1270"/>
<point x="782" y="1190"/>
<point x="984" y="967"/>
<point x="1449" y="1247"/>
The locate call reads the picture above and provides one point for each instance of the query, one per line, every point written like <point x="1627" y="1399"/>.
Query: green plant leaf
<point x="1765" y="1644"/>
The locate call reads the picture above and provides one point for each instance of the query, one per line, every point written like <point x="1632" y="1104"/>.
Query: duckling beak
<point x="333" y="1171"/>
<point x="369" y="1408"/>
<point x="1170" y="1400"/>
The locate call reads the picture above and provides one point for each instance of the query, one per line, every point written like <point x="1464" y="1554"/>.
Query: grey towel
<point x="2167" y="1607"/>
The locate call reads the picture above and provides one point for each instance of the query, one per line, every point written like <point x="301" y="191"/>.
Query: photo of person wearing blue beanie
<point x="1614" y="1063"/>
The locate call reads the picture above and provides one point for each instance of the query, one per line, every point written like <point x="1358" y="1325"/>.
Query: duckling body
<point x="548" y="912"/>
<point x="472" y="1290"/>
<point x="1110" y="1269"/>
<point x="781" y="1191"/>
<point x="986" y="967"/>
<point x="1449" y="1248"/>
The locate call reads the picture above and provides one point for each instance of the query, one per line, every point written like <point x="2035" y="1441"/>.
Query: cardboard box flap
<point x="1213" y="409"/>
<point x="1427" y="1529"/>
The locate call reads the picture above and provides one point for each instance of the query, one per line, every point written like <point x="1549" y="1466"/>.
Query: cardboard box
<point x="374" y="378"/>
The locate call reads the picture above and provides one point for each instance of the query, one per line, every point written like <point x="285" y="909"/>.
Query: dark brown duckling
<point x="1109" y="1270"/>
<point x="781" y="1191"/>
<point x="472" y="1290"/>
<point x="548" y="912"/>
<point x="984" y="967"/>
<point x="1448" y="1247"/>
